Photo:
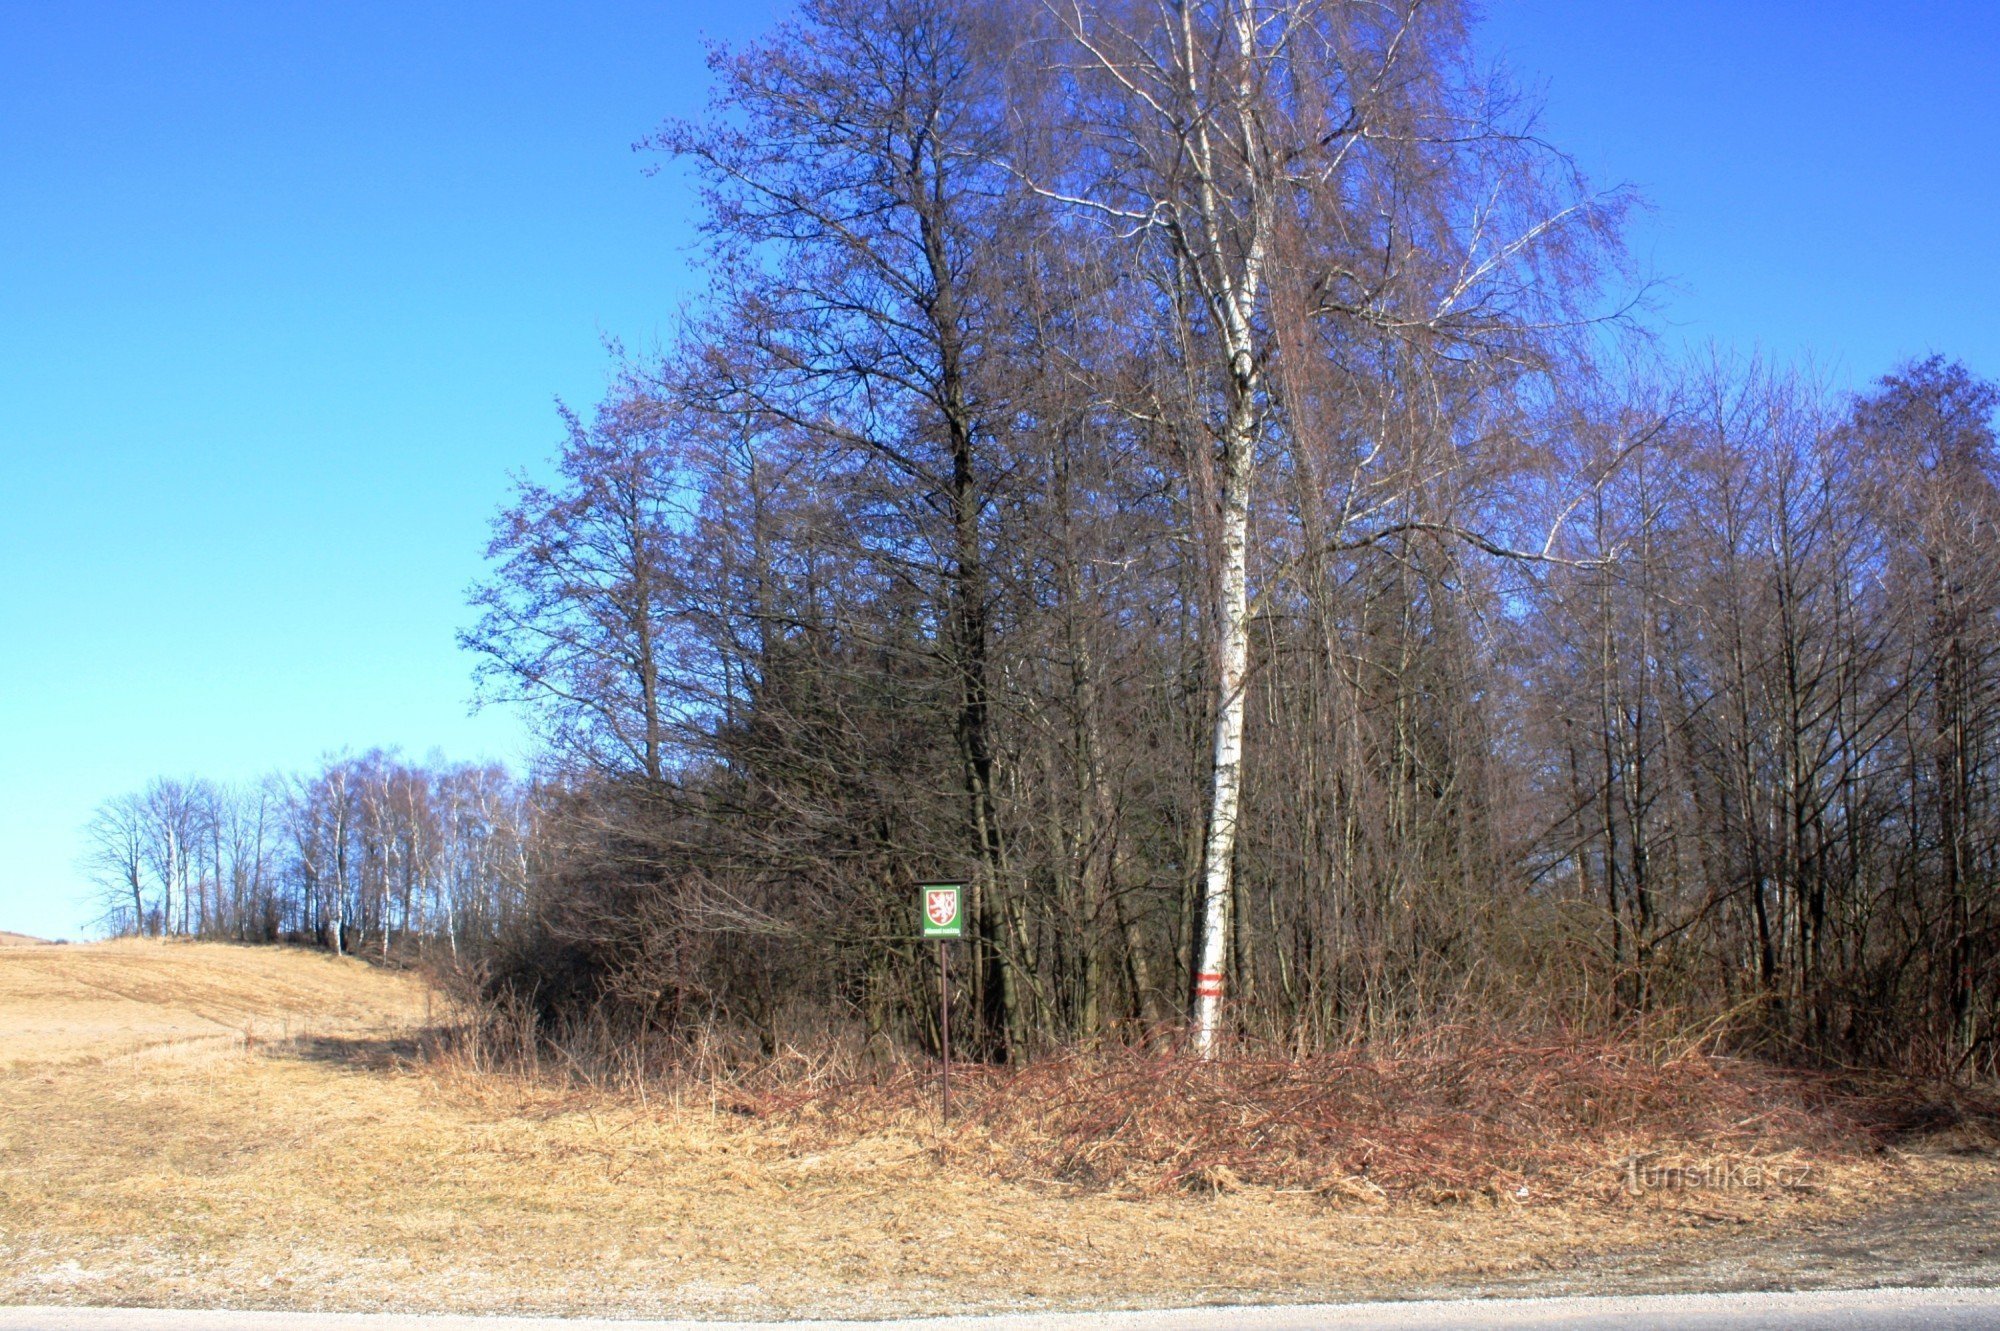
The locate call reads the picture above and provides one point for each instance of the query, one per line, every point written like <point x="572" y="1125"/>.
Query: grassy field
<point x="199" y="1124"/>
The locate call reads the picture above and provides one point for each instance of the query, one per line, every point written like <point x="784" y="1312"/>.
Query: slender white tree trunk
<point x="1232" y="669"/>
<point x="1233" y="297"/>
<point x="1220" y="193"/>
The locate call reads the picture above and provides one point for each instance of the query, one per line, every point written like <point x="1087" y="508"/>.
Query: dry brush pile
<point x="1458" y="1116"/>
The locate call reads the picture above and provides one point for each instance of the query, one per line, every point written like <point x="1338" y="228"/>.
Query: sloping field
<point x="197" y="1124"/>
<point x="134" y="998"/>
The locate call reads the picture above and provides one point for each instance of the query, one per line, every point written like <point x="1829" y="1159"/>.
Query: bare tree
<point x="114" y="858"/>
<point x="572" y="622"/>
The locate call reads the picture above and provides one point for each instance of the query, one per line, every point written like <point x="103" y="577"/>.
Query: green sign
<point x="943" y="905"/>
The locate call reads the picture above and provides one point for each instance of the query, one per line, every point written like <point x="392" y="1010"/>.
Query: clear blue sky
<point x="287" y="289"/>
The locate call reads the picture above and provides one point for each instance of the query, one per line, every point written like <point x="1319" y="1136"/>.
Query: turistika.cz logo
<point x="1713" y="1176"/>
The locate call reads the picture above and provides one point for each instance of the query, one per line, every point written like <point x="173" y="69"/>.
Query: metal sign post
<point x="943" y="907"/>
<point x="944" y="1035"/>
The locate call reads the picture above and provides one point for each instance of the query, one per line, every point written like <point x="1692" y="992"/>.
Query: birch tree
<point x="1184" y="96"/>
<point x="1316" y="195"/>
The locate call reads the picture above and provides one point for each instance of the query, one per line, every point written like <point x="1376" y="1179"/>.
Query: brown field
<point x="199" y="1124"/>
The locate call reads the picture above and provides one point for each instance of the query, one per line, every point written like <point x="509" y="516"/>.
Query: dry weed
<point x="1477" y="1116"/>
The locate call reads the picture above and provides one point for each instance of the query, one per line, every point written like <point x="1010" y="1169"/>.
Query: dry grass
<point x="204" y="1124"/>
<point x="1457" y="1118"/>
<point x="135" y="999"/>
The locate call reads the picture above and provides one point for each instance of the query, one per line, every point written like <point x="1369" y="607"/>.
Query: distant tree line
<point x="366" y="854"/>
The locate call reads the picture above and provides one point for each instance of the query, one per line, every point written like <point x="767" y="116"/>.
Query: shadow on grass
<point x="358" y="1053"/>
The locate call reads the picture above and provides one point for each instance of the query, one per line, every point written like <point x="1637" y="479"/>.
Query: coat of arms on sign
<point x="943" y="906"/>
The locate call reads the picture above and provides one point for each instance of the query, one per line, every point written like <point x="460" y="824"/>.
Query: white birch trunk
<point x="1232" y="669"/>
<point x="1234" y="298"/>
<point x="1220" y="191"/>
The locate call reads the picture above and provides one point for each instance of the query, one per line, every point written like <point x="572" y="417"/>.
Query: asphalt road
<point x="1842" y="1310"/>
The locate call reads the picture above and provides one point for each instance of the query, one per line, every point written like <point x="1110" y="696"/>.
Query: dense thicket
<point x="1180" y="470"/>
<point x="1157" y="464"/>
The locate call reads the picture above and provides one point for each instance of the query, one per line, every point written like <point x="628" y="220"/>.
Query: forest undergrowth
<point x="1459" y="1114"/>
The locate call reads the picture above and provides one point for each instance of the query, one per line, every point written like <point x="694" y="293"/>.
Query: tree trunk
<point x="1226" y="783"/>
